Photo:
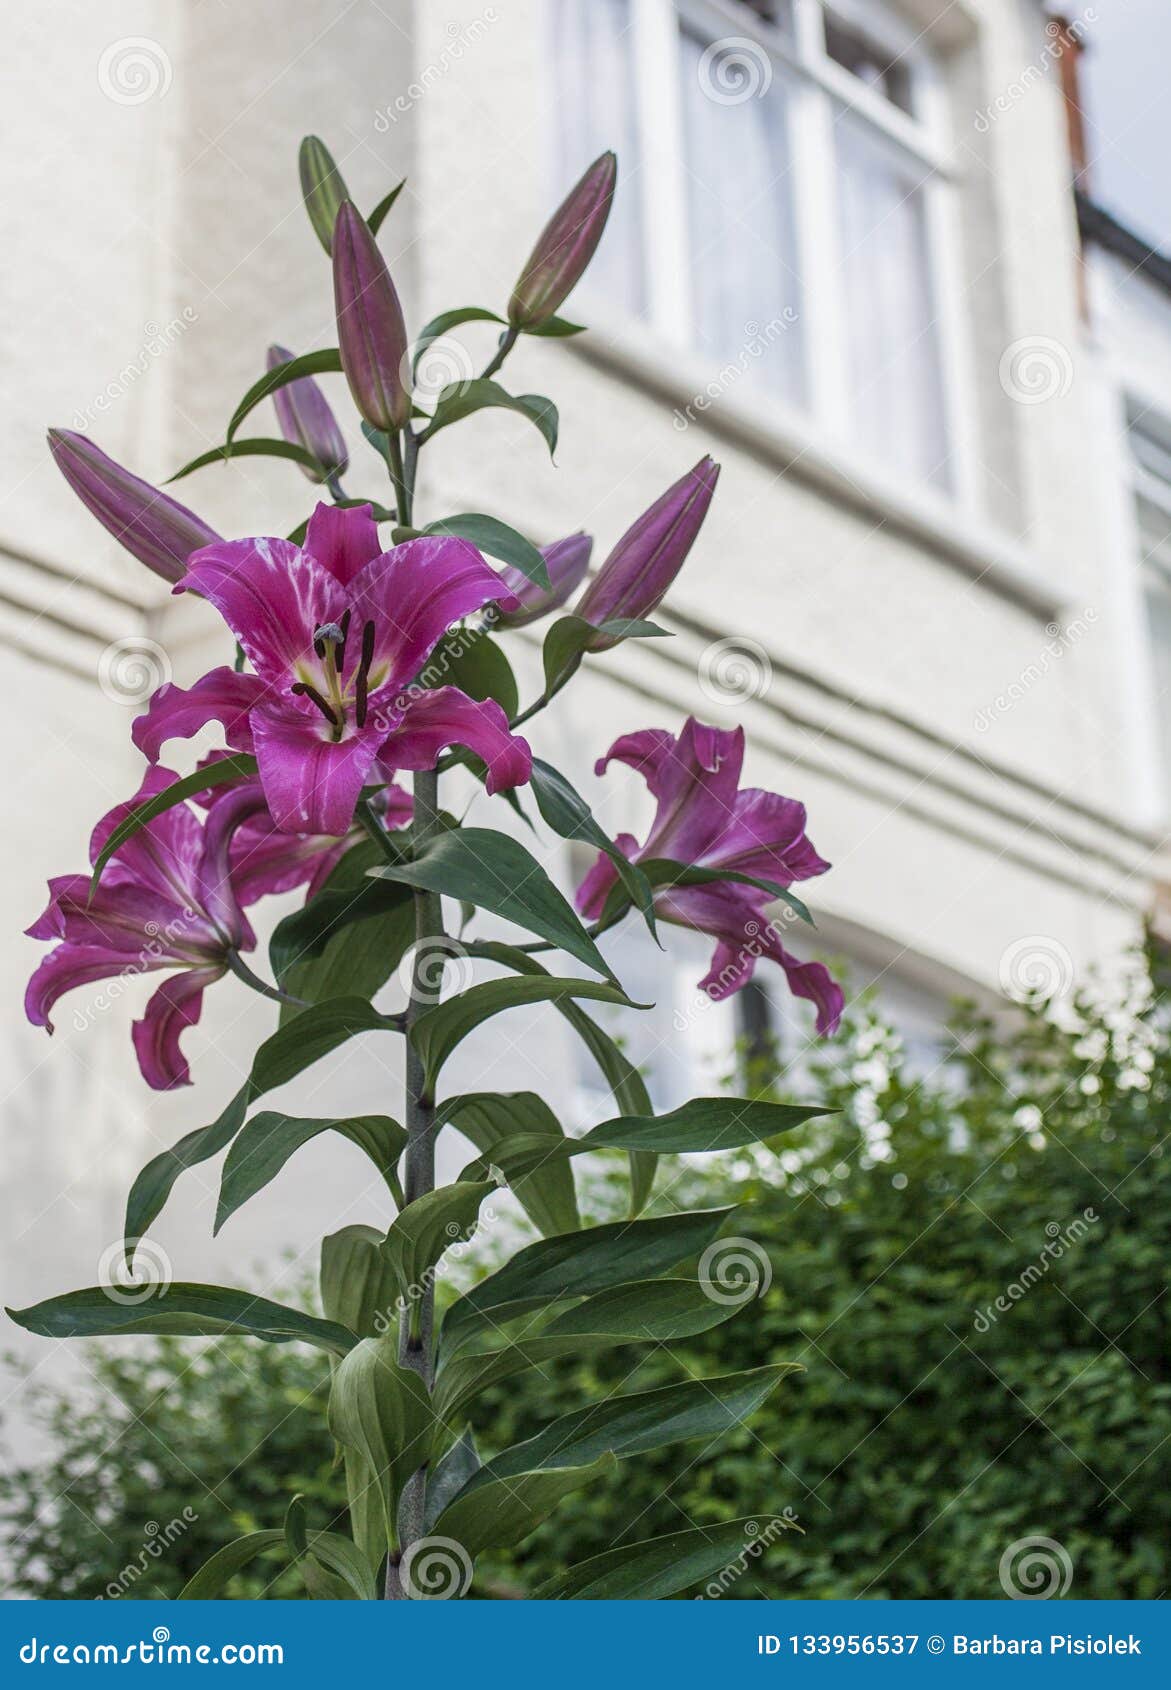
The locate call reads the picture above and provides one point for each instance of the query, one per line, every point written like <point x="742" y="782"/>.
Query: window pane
<point x="895" y="386"/>
<point x="1154" y="525"/>
<point x="594" y="80"/>
<point x="744" y="271"/>
<point x="864" y="58"/>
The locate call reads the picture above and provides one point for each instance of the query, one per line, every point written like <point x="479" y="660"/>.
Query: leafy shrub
<point x="934" y="1427"/>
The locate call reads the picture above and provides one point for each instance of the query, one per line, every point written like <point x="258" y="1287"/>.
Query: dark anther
<point x="314" y="697"/>
<point x="339" y="656"/>
<point x="362" y="676"/>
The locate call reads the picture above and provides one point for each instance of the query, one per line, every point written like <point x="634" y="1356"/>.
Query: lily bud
<point x="566" y="561"/>
<point x="370" y="328"/>
<point x="153" y="527"/>
<point x="564" y="247"/>
<point x="322" y="187"/>
<point x="638" y="572"/>
<point x="305" y="419"/>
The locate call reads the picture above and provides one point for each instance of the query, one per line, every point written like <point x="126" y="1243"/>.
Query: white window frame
<point x="820" y="90"/>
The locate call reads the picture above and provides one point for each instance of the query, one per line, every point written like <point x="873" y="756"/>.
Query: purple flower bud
<point x="565" y="246"/>
<point x="638" y="572"/>
<point x="370" y="328"/>
<point x="155" y="528"/>
<point x="322" y="187"/>
<point x="566" y="561"/>
<point x="306" y="419"/>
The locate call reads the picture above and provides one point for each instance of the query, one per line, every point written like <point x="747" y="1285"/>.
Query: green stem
<point x="402" y="496"/>
<point x="417" y="1337"/>
<point x="507" y="341"/>
<point x="241" y="969"/>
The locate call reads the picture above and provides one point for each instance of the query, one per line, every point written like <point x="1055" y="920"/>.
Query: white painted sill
<point x="778" y="436"/>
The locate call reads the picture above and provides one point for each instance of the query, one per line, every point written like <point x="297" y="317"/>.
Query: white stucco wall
<point x="166" y="234"/>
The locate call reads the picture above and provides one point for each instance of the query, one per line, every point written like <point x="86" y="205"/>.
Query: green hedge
<point x="931" y="1431"/>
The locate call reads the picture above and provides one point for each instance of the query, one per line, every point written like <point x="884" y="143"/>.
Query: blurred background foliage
<point x="929" y="1431"/>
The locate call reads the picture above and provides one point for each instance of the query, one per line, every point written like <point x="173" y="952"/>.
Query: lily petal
<point x="413" y="594"/>
<point x="172" y="1009"/>
<point x="311" y="783"/>
<point x="766" y="837"/>
<point x="343" y="540"/>
<point x="435" y="720"/>
<point x="271" y="595"/>
<point x="68" y="966"/>
<point x="179" y="712"/>
<point x="602" y="878"/>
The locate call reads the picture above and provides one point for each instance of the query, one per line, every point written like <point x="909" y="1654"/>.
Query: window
<point x="781" y="206"/>
<point x="1150" y="443"/>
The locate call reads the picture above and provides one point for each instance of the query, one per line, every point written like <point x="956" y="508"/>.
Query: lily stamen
<point x="304" y="690"/>
<point x="360" y="680"/>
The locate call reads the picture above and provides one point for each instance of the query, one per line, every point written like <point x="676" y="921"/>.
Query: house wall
<point x="939" y="681"/>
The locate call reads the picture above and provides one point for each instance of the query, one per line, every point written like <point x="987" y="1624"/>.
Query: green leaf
<point x="342" y="1558"/>
<point x="294" y="1047"/>
<point x="178" y="1310"/>
<point x="356" y="1283"/>
<point x="662" y="871"/>
<point x="655" y="1311"/>
<point x="215" y="1573"/>
<point x="449" y="1476"/>
<point x="497" y="539"/>
<point x="266" y="1142"/>
<point x="460" y="399"/>
<point x="304" y="935"/>
<point x="361" y="950"/>
<point x="556" y="328"/>
<point x="564" y="810"/>
<point x="322" y="188"/>
<point x="490" y="1119"/>
<point x="378" y="216"/>
<point x="450" y="320"/>
<point x="473" y="661"/>
<point x="704" y="1123"/>
<point x="237" y="765"/>
<point x="326" y="362"/>
<point x="429" y="1226"/>
<point x="661" y="1566"/>
<point x="567" y="639"/>
<point x="496" y="873"/>
<point x="383" y="1411"/>
<point x="258" y="448"/>
<point x="623" y="1078"/>
<point x="697" y="1408"/>
<point x="496" y="1514"/>
<point x="578" y="1264"/>
<point x="438" y="1031"/>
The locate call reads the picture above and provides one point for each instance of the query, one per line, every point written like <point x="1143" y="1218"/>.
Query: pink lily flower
<point x="706" y="820"/>
<point x="263" y="860"/>
<point x="165" y="900"/>
<point x="336" y="633"/>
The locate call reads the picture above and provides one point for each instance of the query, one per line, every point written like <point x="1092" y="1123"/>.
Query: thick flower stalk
<point x="152" y="526"/>
<point x="336" y="633"/>
<point x="706" y="820"/>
